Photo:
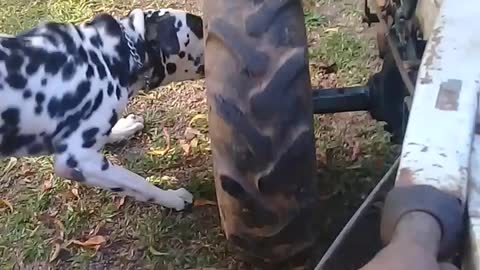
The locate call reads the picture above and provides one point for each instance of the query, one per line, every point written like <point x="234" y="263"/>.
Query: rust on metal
<point x="432" y="54"/>
<point x="450" y="183"/>
<point x="448" y="95"/>
<point x="405" y="177"/>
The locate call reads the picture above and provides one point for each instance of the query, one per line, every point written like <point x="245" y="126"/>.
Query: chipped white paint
<point x="440" y="146"/>
<point x="472" y="258"/>
<point x="437" y="145"/>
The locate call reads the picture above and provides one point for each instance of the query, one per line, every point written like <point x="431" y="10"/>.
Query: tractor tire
<point x="261" y="126"/>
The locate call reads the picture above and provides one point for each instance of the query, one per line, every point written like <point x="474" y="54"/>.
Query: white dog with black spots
<point x="63" y="86"/>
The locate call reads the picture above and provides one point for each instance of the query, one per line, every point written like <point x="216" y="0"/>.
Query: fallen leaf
<point x="55" y="252"/>
<point x="156" y="252"/>
<point x="119" y="202"/>
<point x="203" y="202"/>
<point x="162" y="152"/>
<point x="185" y="146"/>
<point x="5" y="203"/>
<point x="47" y="184"/>
<point x="191" y="133"/>
<point x="97" y="228"/>
<point x="74" y="191"/>
<point x="332" y="29"/>
<point x="92" y="243"/>
<point x="194" y="143"/>
<point x="355" y="151"/>
<point x="60" y="226"/>
<point x="197" y="117"/>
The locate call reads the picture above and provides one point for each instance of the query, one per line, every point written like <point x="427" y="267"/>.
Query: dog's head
<point x="173" y="41"/>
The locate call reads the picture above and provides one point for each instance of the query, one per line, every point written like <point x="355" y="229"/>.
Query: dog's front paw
<point x="127" y="127"/>
<point x="181" y="199"/>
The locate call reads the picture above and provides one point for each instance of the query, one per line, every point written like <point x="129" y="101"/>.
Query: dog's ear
<point x="161" y="33"/>
<point x="136" y="21"/>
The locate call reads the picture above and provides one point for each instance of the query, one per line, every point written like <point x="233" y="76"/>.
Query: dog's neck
<point x="133" y="29"/>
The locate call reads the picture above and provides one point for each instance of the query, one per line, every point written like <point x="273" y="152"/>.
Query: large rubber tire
<point x="261" y="125"/>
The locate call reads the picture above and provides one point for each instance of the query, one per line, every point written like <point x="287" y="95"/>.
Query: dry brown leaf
<point x="355" y="151"/>
<point x="61" y="227"/>
<point x="185" y="146"/>
<point x="203" y="202"/>
<point x="97" y="228"/>
<point x="4" y="203"/>
<point x="119" y="201"/>
<point x="55" y="252"/>
<point x="93" y="243"/>
<point x="194" y="143"/>
<point x="74" y="192"/>
<point x="47" y="184"/>
<point x="197" y="117"/>
<point x="191" y="133"/>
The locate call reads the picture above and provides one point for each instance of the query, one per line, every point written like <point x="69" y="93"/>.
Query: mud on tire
<point x="261" y="125"/>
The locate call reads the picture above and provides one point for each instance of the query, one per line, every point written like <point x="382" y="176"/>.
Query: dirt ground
<point x="46" y="221"/>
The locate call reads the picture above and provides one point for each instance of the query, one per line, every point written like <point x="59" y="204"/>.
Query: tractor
<point x="261" y="107"/>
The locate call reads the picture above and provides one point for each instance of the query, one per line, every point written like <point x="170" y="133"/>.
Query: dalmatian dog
<point x="63" y="88"/>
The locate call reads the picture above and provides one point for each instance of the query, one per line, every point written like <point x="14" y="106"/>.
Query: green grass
<point x="352" y="153"/>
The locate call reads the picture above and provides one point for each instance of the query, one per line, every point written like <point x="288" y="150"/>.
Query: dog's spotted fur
<point x="63" y="86"/>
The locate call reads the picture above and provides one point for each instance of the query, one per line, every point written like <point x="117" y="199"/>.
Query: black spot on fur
<point x="44" y="82"/>
<point x="110" y="89"/>
<point x="88" y="137"/>
<point x="72" y="162"/>
<point x="39" y="98"/>
<point x="83" y="56"/>
<point x="201" y="70"/>
<point x="27" y="94"/>
<point x="36" y="57"/>
<point x="60" y="148"/>
<point x="195" y="24"/>
<point x="78" y="176"/>
<point x="55" y="62"/>
<point x="113" y="120"/>
<point x="179" y="24"/>
<point x="36" y="149"/>
<point x="102" y="73"/>
<point x="96" y="41"/>
<point x="14" y="63"/>
<point x="162" y="35"/>
<point x="68" y="71"/>
<point x="96" y="104"/>
<point x="117" y="189"/>
<point x="181" y="54"/>
<point x="118" y="92"/>
<point x="3" y="55"/>
<point x="110" y="23"/>
<point x="105" y="164"/>
<point x="58" y="107"/>
<point x="63" y="31"/>
<point x="151" y="200"/>
<point x="12" y="139"/>
<point x="79" y="32"/>
<point x="171" y="68"/>
<point x="11" y="43"/>
<point x="90" y="72"/>
<point x="16" y="81"/>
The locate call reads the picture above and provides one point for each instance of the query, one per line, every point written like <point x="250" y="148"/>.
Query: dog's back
<point x="46" y="84"/>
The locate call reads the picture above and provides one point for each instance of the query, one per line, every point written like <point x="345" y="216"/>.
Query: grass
<point x="45" y="220"/>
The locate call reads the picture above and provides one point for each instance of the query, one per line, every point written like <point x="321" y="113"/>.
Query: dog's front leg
<point x="125" y="128"/>
<point x="91" y="168"/>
